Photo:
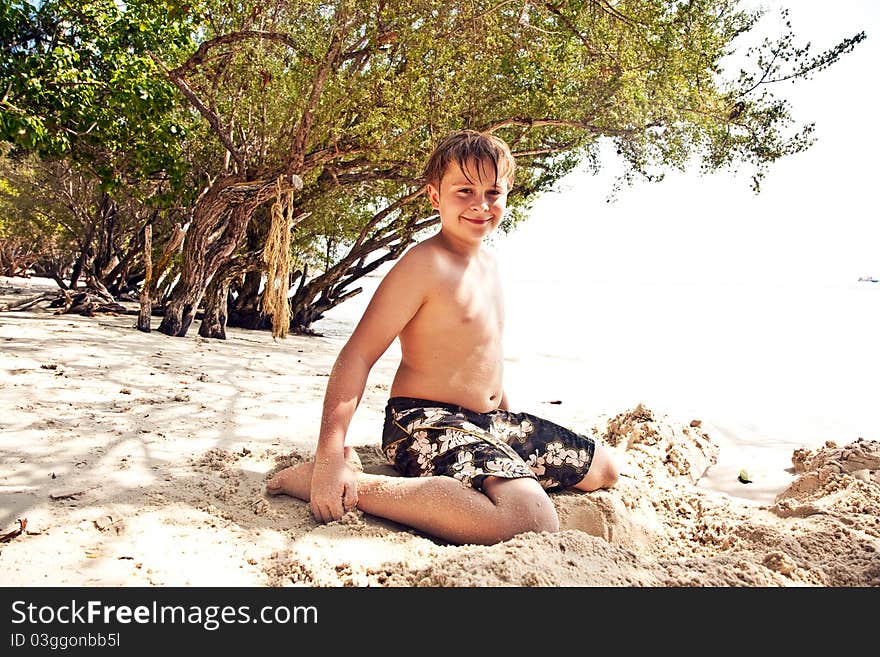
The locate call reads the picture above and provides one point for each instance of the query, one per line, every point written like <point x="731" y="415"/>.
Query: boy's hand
<point x="334" y="489"/>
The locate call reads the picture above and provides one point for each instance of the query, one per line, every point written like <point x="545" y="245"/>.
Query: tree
<point x="351" y="95"/>
<point x="32" y="227"/>
<point x="82" y="94"/>
<point x="347" y="97"/>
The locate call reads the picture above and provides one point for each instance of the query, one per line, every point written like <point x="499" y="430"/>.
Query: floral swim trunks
<point x="422" y="438"/>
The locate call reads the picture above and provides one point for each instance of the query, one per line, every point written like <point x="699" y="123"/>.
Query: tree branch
<point x="198" y="57"/>
<point x="558" y="123"/>
<point x="304" y="126"/>
<point x="379" y="216"/>
<point x="561" y="148"/>
<point x="209" y="115"/>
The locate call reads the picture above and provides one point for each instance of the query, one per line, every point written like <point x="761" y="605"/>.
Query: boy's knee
<point x="523" y="507"/>
<point x="603" y="472"/>
<point x="610" y="473"/>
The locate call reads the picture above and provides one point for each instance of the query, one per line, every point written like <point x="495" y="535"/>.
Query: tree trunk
<point x="225" y="211"/>
<point x="181" y="308"/>
<point x="146" y="310"/>
<point x="120" y="279"/>
<point x="84" y="259"/>
<point x="108" y="220"/>
<point x="209" y="215"/>
<point x="244" y="311"/>
<point x="162" y="268"/>
<point x="214" y="321"/>
<point x="217" y="296"/>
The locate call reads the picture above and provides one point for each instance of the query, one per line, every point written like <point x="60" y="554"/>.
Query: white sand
<point x="139" y="459"/>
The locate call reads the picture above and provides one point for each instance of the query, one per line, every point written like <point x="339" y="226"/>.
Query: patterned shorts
<point x="423" y="438"/>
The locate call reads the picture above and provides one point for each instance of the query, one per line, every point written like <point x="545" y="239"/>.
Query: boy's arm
<point x="334" y="486"/>
<point x="397" y="299"/>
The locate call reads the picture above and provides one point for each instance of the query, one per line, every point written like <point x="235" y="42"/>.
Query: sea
<point x="767" y="365"/>
<point x="799" y="363"/>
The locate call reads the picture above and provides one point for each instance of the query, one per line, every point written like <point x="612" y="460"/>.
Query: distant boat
<point x="868" y="279"/>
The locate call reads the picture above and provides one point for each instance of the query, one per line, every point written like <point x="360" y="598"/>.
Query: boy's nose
<point x="481" y="204"/>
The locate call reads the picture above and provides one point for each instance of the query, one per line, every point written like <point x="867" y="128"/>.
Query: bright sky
<point x="815" y="219"/>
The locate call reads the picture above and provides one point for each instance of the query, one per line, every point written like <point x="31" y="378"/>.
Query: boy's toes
<point x="279" y="482"/>
<point x="273" y="485"/>
<point x="295" y="481"/>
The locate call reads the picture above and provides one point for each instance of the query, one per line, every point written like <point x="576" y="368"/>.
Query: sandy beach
<point x="140" y="460"/>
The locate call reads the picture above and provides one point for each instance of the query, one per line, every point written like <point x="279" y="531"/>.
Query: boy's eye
<point x="468" y="190"/>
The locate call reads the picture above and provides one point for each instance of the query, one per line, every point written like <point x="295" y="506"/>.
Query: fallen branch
<point x="66" y="496"/>
<point x="87" y="303"/>
<point x="24" y="304"/>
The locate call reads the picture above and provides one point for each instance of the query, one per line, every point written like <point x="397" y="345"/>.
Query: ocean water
<point x="767" y="368"/>
<point x="787" y="362"/>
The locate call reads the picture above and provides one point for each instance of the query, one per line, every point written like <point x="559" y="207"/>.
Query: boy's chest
<point x="472" y="302"/>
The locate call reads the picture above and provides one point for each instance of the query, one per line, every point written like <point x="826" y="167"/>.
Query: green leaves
<point x="82" y="84"/>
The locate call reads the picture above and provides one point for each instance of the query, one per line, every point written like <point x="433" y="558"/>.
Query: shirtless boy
<point x="474" y="472"/>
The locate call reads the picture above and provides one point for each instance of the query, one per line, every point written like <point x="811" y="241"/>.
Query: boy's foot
<point x="351" y="457"/>
<point x="296" y="480"/>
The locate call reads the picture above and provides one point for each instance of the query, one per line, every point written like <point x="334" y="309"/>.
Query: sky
<point x="815" y="219"/>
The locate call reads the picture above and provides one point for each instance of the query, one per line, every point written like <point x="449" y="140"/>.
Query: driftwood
<point x="88" y="303"/>
<point x="22" y="525"/>
<point x="70" y="495"/>
<point x="24" y="304"/>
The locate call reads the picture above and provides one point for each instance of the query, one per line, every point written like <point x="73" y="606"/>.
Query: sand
<point x="140" y="460"/>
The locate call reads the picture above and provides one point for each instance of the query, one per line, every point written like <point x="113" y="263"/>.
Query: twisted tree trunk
<point x="216" y="313"/>
<point x="219" y="222"/>
<point x="214" y="320"/>
<point x="244" y="311"/>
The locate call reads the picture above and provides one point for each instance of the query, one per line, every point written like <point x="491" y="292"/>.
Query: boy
<point x="447" y="414"/>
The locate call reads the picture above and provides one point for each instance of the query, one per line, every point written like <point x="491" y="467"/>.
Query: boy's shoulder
<point x="425" y="255"/>
<point x="418" y="267"/>
<point x="430" y="263"/>
<point x="433" y="251"/>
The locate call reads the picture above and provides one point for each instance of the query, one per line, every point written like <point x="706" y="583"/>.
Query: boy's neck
<point x="458" y="246"/>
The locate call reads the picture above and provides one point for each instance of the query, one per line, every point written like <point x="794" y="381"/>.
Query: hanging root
<point x="276" y="255"/>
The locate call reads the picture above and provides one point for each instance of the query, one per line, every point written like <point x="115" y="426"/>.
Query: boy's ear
<point x="433" y="196"/>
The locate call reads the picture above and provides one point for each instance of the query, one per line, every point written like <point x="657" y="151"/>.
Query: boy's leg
<point x="603" y="472"/>
<point x="530" y="436"/>
<point x="442" y="506"/>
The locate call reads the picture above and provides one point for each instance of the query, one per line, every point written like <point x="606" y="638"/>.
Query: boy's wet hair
<point x="465" y="147"/>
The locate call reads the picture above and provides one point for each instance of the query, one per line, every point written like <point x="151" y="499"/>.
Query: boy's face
<point x="471" y="202"/>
